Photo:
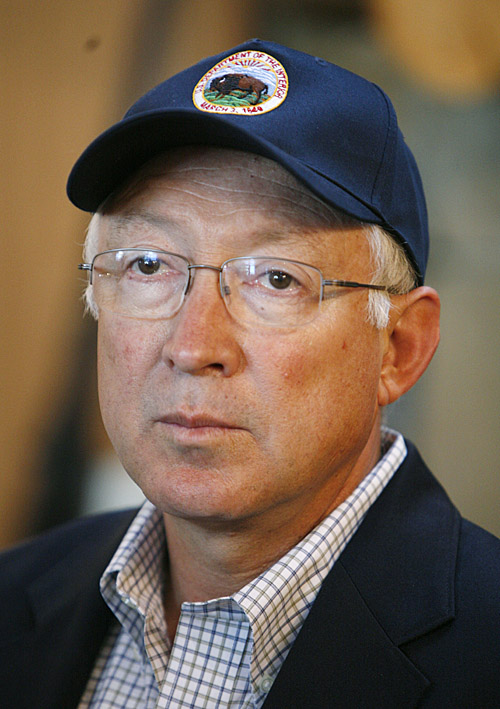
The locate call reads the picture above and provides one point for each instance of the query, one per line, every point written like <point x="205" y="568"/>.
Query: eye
<point x="147" y="265"/>
<point x="151" y="264"/>
<point x="274" y="278"/>
<point x="280" y="279"/>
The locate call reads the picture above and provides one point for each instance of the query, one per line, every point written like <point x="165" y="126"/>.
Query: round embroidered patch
<point x="245" y="83"/>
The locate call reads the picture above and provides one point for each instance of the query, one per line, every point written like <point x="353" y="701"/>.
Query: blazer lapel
<point x="343" y="658"/>
<point x="393" y="583"/>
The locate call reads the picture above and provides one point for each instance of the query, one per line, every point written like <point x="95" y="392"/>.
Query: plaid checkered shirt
<point x="226" y="651"/>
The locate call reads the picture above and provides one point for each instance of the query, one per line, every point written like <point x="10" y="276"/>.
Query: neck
<point x="206" y="563"/>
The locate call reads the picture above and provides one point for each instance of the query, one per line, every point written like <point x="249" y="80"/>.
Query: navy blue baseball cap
<point x="335" y="131"/>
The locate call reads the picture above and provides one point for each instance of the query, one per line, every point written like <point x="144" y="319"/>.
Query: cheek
<point x="286" y="377"/>
<point x="126" y="345"/>
<point x="332" y="375"/>
<point x="126" y="353"/>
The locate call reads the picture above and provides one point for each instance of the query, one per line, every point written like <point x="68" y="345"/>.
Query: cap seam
<point x="386" y="142"/>
<point x="365" y="203"/>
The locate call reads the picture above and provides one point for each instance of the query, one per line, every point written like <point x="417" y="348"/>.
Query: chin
<point x="201" y="497"/>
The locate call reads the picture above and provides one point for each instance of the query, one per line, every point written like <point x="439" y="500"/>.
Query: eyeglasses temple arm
<point x="353" y="284"/>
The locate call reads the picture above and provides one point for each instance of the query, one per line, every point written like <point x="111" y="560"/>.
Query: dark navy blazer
<point x="409" y="616"/>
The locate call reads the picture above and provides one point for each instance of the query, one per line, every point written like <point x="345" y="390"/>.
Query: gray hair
<point x="391" y="267"/>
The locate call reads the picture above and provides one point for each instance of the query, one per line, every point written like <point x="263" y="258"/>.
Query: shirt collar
<point x="133" y="581"/>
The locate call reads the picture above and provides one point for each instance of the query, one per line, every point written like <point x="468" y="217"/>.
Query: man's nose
<point x="202" y="336"/>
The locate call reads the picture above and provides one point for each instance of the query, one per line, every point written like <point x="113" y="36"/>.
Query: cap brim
<point x="120" y="151"/>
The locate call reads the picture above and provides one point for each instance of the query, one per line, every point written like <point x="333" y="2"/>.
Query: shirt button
<point x="266" y="683"/>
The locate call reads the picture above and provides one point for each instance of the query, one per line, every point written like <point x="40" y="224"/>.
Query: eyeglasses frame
<point x="89" y="267"/>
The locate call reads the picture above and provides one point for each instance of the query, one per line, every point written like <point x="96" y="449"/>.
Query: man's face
<point x="223" y="422"/>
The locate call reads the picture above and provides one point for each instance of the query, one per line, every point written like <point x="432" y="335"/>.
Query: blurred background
<point x="70" y="68"/>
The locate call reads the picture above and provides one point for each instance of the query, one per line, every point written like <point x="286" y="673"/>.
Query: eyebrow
<point x="121" y="224"/>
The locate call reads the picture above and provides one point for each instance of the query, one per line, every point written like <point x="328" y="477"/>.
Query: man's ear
<point x="411" y="340"/>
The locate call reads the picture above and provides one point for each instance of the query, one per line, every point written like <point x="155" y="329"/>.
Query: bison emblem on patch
<point x="236" y="83"/>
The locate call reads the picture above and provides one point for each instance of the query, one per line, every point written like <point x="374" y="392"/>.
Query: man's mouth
<point x="197" y="426"/>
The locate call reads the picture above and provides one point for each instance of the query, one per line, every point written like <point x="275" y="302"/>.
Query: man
<point x="256" y="261"/>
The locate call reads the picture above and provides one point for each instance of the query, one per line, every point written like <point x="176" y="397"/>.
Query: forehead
<point x="218" y="193"/>
<point x="224" y="175"/>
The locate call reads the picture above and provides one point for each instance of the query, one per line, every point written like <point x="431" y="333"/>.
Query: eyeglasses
<point x="150" y="284"/>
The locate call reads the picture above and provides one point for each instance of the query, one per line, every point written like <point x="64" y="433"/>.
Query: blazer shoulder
<point x="478" y="567"/>
<point x="53" y="618"/>
<point x="93" y="536"/>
